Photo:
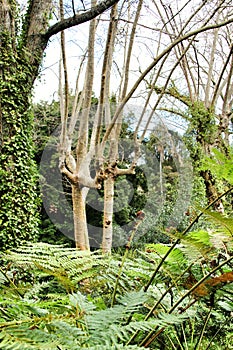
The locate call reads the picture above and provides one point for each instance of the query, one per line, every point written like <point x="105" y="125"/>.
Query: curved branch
<point x="126" y="171"/>
<point x="173" y="92"/>
<point x="174" y="111"/>
<point x="153" y="64"/>
<point x="79" y="18"/>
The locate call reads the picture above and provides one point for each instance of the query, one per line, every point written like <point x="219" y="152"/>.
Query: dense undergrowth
<point x="164" y="297"/>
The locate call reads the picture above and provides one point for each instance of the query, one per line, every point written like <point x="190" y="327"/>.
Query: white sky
<point x="76" y="42"/>
<point x="46" y="86"/>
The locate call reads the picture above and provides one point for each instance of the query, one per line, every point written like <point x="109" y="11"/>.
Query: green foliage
<point x="54" y="297"/>
<point x="66" y="265"/>
<point x="19" y="197"/>
<point x="201" y="131"/>
<point x="203" y="122"/>
<point x="220" y="165"/>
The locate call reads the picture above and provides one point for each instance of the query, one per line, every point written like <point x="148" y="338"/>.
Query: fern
<point x="158" y="250"/>
<point x="67" y="265"/>
<point x="220" y="165"/>
<point x="116" y="347"/>
<point x="196" y="245"/>
<point x="100" y="321"/>
<point x="56" y="309"/>
<point x="223" y="223"/>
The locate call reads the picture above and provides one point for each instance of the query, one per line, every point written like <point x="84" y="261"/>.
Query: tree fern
<point x="60" y="308"/>
<point x="67" y="265"/>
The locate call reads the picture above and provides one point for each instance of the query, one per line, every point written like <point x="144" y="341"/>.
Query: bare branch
<point x="217" y="88"/>
<point x="153" y="64"/>
<point x="64" y="111"/>
<point x="126" y="171"/>
<point x="79" y="18"/>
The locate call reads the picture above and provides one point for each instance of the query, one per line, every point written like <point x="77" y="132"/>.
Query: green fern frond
<point x="158" y="251"/>
<point x="69" y="266"/>
<point x="21" y="337"/>
<point x="80" y="302"/>
<point x="219" y="239"/>
<point x="101" y="321"/>
<point x="220" y="165"/>
<point x="166" y="319"/>
<point x="36" y="328"/>
<point x="117" y="333"/>
<point x="223" y="222"/>
<point x="115" y="347"/>
<point x="138" y="268"/>
<point x="196" y="245"/>
<point x="199" y="238"/>
<point x="132" y="301"/>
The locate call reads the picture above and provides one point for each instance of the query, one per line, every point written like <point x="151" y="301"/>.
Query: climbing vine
<point x="18" y="187"/>
<point x="202" y="129"/>
<point x="200" y="138"/>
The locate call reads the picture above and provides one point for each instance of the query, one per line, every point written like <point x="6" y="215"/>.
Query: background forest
<point x="116" y="193"/>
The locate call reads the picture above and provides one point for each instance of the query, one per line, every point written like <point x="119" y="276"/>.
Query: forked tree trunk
<point x="79" y="216"/>
<point x="108" y="214"/>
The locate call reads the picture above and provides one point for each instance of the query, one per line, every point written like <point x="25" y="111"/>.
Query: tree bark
<point x="79" y="215"/>
<point x="108" y="214"/>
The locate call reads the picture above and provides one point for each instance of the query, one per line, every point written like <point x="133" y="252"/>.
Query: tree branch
<point x="79" y="18"/>
<point x="153" y="64"/>
<point x="126" y="171"/>
<point x="173" y="92"/>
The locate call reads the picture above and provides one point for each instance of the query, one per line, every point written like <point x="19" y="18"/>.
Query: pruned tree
<point x="23" y="40"/>
<point x="102" y="146"/>
<point x="89" y="148"/>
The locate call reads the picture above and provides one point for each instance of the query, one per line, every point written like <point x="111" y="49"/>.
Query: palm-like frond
<point x="78" y="317"/>
<point x="68" y="265"/>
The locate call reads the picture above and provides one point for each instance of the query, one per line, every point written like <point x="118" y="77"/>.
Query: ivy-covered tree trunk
<point x="18" y="202"/>
<point x="21" y="53"/>
<point x="19" y="198"/>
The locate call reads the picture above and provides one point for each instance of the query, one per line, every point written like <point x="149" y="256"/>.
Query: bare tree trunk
<point x="114" y="142"/>
<point x="79" y="215"/>
<point x="108" y="214"/>
<point x="104" y="110"/>
<point x="78" y="170"/>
